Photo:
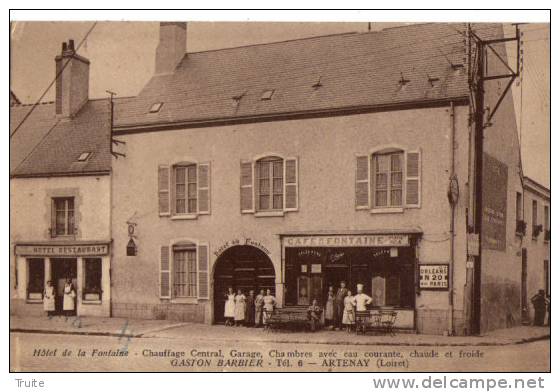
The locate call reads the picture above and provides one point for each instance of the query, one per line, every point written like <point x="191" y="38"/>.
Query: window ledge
<point x="264" y="214"/>
<point x="190" y="300"/>
<point x="389" y="210"/>
<point x="184" y="217"/>
<point x="91" y="302"/>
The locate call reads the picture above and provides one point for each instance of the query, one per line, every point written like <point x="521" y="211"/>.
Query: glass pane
<point x="60" y="222"/>
<point x="192" y="205"/>
<point x="278" y="169"/>
<point x="277" y="185"/>
<point x="264" y="202"/>
<point x="381" y="181"/>
<point x="381" y="198"/>
<point x="180" y="191"/>
<point x="70" y="222"/>
<point x="180" y="175"/>
<point x="396" y="197"/>
<point x="192" y="191"/>
<point x="264" y="188"/>
<point x="180" y="206"/>
<point x="396" y="162"/>
<point x="382" y="163"/>
<point x="277" y="201"/>
<point x="192" y="173"/>
<point x="264" y="170"/>
<point x="396" y="180"/>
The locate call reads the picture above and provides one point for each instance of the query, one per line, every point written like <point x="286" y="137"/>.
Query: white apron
<point x="69" y="302"/>
<point x="48" y="300"/>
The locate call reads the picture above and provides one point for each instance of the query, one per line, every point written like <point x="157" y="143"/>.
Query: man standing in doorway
<point x="339" y="304"/>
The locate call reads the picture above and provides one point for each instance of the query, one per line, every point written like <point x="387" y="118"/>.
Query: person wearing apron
<point x="69" y="299"/>
<point x="49" y="297"/>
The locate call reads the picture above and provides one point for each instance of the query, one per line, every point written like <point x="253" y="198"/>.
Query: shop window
<point x="184" y="273"/>
<point x="270" y="184"/>
<point x="92" y="273"/>
<point x="62" y="216"/>
<point x="35" y="279"/>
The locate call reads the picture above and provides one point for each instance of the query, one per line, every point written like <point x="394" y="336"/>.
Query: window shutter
<point x="291" y="188"/>
<point x="413" y="180"/>
<point x="247" y="197"/>
<point x="362" y="182"/>
<point x="163" y="190"/>
<point x="202" y="254"/>
<point x="204" y="188"/>
<point x="53" y="219"/>
<point x="164" y="273"/>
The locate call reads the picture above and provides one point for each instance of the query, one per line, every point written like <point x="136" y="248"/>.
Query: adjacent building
<point x="534" y="225"/>
<point x="60" y="195"/>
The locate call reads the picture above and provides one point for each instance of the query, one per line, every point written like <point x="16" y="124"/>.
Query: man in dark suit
<point x="339" y="304"/>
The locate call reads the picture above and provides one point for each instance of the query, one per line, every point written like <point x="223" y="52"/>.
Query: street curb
<point x="88" y="333"/>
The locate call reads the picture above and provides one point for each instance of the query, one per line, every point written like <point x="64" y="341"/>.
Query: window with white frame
<point x="185" y="189"/>
<point x="270" y="184"/>
<point x="388" y="179"/>
<point x="62" y="216"/>
<point x="184" y="272"/>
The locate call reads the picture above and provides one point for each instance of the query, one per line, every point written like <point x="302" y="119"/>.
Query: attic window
<point x="267" y="95"/>
<point x="156" y="107"/>
<point x="84" y="156"/>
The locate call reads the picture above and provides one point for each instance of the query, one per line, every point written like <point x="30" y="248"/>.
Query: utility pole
<point x="482" y="122"/>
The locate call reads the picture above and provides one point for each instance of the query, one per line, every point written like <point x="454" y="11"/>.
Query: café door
<point x="309" y="287"/>
<point x="62" y="269"/>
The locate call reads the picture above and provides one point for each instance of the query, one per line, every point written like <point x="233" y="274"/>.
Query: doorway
<point x="241" y="267"/>
<point x="62" y="269"/>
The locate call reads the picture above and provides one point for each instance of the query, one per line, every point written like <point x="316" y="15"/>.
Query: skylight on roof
<point x="84" y="156"/>
<point x="156" y="107"/>
<point x="267" y="95"/>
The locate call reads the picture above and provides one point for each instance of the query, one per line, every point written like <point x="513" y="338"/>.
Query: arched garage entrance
<point x="241" y="267"/>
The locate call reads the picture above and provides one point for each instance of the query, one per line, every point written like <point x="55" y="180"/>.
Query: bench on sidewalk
<point x="291" y="318"/>
<point x="382" y="321"/>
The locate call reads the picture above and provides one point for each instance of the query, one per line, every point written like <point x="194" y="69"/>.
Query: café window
<point x="184" y="272"/>
<point x="92" y="273"/>
<point x="388" y="179"/>
<point x="270" y="184"/>
<point x="63" y="216"/>
<point x="35" y="279"/>
<point x="185" y="189"/>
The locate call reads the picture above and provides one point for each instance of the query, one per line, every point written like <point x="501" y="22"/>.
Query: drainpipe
<point x="452" y="203"/>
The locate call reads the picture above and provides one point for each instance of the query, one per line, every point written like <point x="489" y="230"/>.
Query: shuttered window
<point x="269" y="184"/>
<point x="164" y="273"/>
<point x="184" y="189"/>
<point x="388" y="179"/>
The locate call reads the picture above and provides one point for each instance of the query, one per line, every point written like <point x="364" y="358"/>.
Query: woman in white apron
<point x="348" y="318"/>
<point x="229" y="309"/>
<point x="69" y="299"/>
<point x="329" y="308"/>
<point x="49" y="297"/>
<point x="240" y="304"/>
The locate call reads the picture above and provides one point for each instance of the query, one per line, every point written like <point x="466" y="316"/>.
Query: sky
<point x="122" y="60"/>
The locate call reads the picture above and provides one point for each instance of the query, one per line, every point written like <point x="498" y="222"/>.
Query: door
<point x="61" y="270"/>
<point x="335" y="274"/>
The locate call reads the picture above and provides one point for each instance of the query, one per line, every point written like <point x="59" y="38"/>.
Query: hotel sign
<point x="434" y="276"/>
<point x="391" y="240"/>
<point x="62" y="250"/>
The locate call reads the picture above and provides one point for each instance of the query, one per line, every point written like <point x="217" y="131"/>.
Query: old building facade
<point x="299" y="164"/>
<point x="60" y="196"/>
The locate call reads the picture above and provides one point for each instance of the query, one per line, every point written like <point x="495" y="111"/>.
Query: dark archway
<point x="241" y="267"/>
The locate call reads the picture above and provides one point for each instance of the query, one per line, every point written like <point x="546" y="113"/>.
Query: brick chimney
<point x="72" y="86"/>
<point x="172" y="46"/>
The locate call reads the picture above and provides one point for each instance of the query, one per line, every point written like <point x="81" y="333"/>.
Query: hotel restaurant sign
<point x="62" y="250"/>
<point x="365" y="240"/>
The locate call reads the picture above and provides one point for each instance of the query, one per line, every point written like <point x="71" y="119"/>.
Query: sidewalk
<point x="172" y="330"/>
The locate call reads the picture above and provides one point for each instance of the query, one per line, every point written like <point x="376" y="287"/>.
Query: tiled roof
<point x="415" y="63"/>
<point x="46" y="145"/>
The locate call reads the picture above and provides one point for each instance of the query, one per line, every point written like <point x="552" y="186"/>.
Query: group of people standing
<point x="68" y="299"/>
<point x="341" y="307"/>
<point x="248" y="310"/>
